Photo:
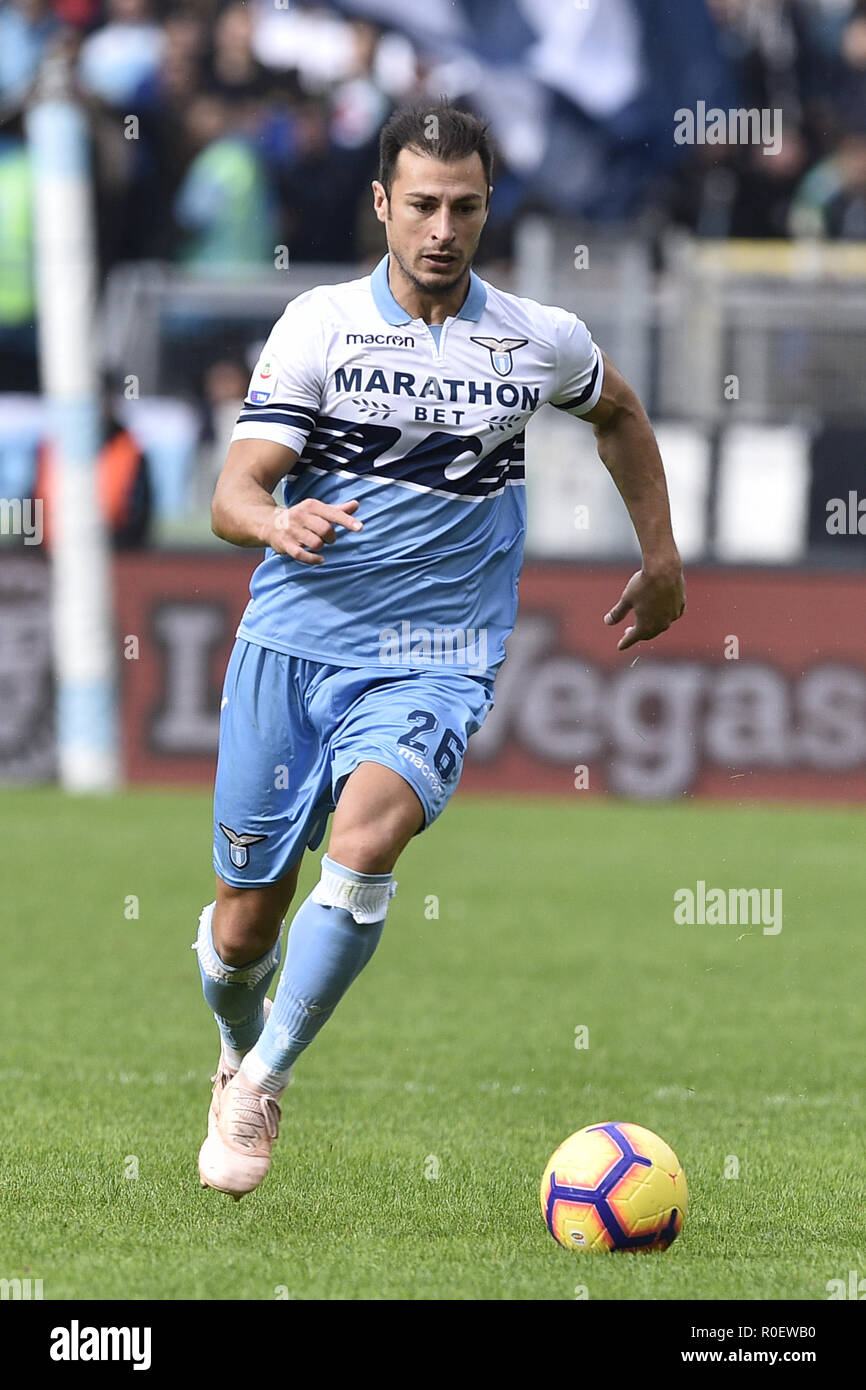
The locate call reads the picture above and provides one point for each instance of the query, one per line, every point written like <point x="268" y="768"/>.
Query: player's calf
<point x="333" y="936"/>
<point x="235" y="993"/>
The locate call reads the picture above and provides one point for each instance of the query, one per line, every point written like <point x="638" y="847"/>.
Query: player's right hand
<point x="302" y="530"/>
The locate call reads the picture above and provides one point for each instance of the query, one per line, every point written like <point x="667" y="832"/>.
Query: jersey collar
<point x="394" y="313"/>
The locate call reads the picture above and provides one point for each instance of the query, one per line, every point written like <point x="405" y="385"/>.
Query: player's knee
<point x="247" y="921"/>
<point x="237" y="947"/>
<point x="242" y="933"/>
<point x="366" y="850"/>
<point x="374" y="846"/>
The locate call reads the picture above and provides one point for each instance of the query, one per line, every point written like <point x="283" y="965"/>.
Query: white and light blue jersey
<point x="424" y="425"/>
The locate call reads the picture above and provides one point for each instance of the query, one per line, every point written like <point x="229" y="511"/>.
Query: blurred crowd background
<point x="258" y="122"/>
<point x="223" y="130"/>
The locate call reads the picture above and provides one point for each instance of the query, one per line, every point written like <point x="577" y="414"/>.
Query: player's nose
<point x="443" y="232"/>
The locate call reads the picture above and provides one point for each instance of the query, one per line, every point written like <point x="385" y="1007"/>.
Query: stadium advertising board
<point x="27" y="751"/>
<point x="759" y="692"/>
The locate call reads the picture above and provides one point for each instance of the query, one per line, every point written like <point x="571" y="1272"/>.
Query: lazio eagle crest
<point x="239" y="852"/>
<point x="500" y="350"/>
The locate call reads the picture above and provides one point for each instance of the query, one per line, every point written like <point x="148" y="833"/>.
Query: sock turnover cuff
<point x="250" y="975"/>
<point x="364" y="896"/>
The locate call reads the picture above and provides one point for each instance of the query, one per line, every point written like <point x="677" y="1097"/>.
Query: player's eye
<point x="465" y="209"/>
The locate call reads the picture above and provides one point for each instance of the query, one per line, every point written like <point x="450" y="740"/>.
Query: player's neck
<point x="432" y="308"/>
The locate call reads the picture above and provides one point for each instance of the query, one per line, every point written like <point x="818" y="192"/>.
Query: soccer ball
<point x="614" y="1187"/>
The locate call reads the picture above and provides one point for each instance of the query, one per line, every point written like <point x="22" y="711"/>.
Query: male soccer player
<point x="394" y="409"/>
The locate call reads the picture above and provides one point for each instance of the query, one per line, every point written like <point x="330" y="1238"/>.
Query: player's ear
<point x="380" y="201"/>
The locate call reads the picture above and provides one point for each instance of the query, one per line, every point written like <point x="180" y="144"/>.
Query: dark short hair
<point x="458" y="134"/>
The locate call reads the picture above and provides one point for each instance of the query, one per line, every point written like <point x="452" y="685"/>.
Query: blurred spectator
<point x="18" y="367"/>
<point x="231" y="69"/>
<point x="224" y="203"/>
<point x="82" y="14"/>
<point x="116" y="59"/>
<point x="140" y="225"/>
<point x="315" y="43"/>
<point x="849" y="84"/>
<point x="322" y="187"/>
<point x="224" y="388"/>
<point x="26" y="26"/>
<point x="122" y="480"/>
<point x="359" y="106"/>
<point x="831" y="200"/>
<point x="807" y="60"/>
<point x="737" y="189"/>
<point x="178" y="75"/>
<point x="853" y="42"/>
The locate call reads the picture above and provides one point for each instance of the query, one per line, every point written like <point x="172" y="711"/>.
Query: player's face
<point x="434" y="217"/>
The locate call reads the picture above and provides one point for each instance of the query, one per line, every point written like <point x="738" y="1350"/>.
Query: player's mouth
<point x="441" y="261"/>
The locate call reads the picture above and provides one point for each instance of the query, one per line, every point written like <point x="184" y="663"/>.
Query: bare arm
<point x="244" y="512"/>
<point x="628" y="449"/>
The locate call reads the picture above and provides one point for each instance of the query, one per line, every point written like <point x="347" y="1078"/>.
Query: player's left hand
<point x="656" y="600"/>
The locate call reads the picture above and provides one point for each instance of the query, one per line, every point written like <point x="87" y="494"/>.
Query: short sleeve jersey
<point x="425" y="427"/>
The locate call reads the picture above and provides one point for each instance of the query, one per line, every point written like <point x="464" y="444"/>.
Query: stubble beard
<point x="438" y="287"/>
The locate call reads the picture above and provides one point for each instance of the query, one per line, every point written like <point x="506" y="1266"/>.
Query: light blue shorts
<point x="291" y="731"/>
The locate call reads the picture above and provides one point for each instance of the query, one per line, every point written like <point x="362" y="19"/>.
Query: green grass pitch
<point x="417" y="1128"/>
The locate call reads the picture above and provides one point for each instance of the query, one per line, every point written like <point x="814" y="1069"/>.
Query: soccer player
<point x="393" y="409"/>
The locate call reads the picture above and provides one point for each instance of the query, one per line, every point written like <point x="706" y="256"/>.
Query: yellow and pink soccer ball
<point x="614" y="1186"/>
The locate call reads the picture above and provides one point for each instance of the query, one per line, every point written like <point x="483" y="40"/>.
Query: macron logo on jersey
<point x="385" y="339"/>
